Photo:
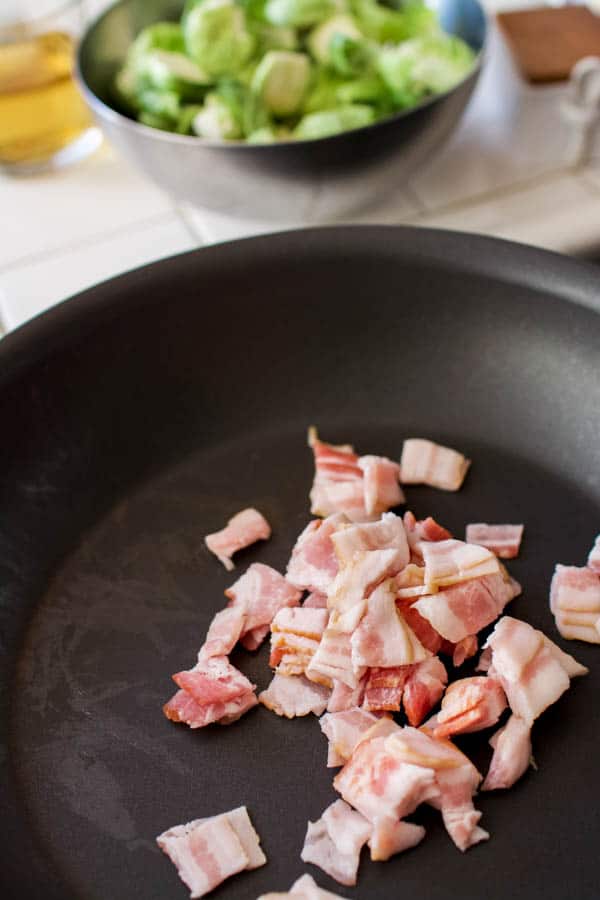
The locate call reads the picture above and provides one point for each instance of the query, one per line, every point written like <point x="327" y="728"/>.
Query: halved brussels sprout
<point x="333" y="121"/>
<point x="281" y="80"/>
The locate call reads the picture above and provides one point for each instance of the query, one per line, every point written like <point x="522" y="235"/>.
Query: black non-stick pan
<point x="140" y="415"/>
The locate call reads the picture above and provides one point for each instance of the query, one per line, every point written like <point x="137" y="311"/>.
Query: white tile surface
<point x="31" y="288"/>
<point x="39" y="214"/>
<point x="561" y="212"/>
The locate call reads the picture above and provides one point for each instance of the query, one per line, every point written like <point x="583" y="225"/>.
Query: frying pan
<point x="140" y="415"/>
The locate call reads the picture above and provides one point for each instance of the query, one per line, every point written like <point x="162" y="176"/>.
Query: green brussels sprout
<point x="166" y="71"/>
<point x="349" y="56"/>
<point x="371" y="89"/>
<point x="217" y="120"/>
<point x="164" y="104"/>
<point x="154" y="121"/>
<point x="160" y="36"/>
<point x="268" y="135"/>
<point x="186" y="118"/>
<point x="281" y="80"/>
<point x="323" y="93"/>
<point x="124" y="90"/>
<point x="297" y="13"/>
<point x="320" y="37"/>
<point x="333" y="121"/>
<point x="274" y="37"/>
<point x="217" y="38"/>
<point x="424" y="66"/>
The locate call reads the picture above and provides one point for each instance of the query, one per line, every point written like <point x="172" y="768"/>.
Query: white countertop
<point x="507" y="171"/>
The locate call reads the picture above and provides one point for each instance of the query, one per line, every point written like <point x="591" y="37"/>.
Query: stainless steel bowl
<point x="308" y="181"/>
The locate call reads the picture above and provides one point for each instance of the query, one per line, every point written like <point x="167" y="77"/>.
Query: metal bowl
<point x="307" y="181"/>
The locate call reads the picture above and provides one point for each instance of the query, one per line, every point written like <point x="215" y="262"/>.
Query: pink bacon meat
<point x="470" y="704"/>
<point x="313" y="564"/>
<point x="512" y="755"/>
<point x="503" y="540"/>
<point x="593" y="560"/>
<point x="244" y="529"/>
<point x="575" y="603"/>
<point x="424" y="462"/>
<point x="294" y="695"/>
<point x="304" y="888"/>
<point x="208" y="851"/>
<point x="261" y="592"/>
<point x="335" y="840"/>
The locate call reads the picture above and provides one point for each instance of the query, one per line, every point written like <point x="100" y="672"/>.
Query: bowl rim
<point x="104" y="111"/>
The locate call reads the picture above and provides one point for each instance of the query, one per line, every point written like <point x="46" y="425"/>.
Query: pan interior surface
<point x="181" y="393"/>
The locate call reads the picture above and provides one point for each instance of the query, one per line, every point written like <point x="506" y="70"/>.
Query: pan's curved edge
<point x="508" y="262"/>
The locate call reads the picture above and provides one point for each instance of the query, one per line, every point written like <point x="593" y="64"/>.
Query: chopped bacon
<point x="355" y="580"/>
<point x="213" y="680"/>
<point x="294" y="695"/>
<point x="334" y="842"/>
<point x="183" y="708"/>
<point x="344" y="729"/>
<point x="313" y="564"/>
<point x="575" y="603"/>
<point x="384" y="688"/>
<point x="304" y="888"/>
<point x="245" y="528"/>
<point x="381" y="484"/>
<point x="386" y="534"/>
<point x="224" y="632"/>
<point x="424" y="631"/>
<point x="424" y="462"/>
<point x="338" y="483"/>
<point x="593" y="560"/>
<point x="383" y="638"/>
<point x="252" y="639"/>
<point x="295" y="638"/>
<point x="512" y="755"/>
<point x="464" y="649"/>
<point x="459" y="611"/>
<point x="424" y="687"/>
<point x="389" y="838"/>
<point x="429" y="530"/>
<point x="333" y="660"/>
<point x="344" y="697"/>
<point x="470" y="704"/>
<point x="410" y="582"/>
<point x="503" y="540"/>
<point x="531" y="671"/>
<point x="451" y="562"/>
<point x="261" y="592"/>
<point x="315" y="600"/>
<point x="207" y="851"/>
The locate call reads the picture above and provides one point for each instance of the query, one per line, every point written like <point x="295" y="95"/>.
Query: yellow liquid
<point x="41" y="110"/>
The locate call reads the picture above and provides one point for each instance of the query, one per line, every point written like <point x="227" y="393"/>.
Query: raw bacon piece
<point x="315" y="600"/>
<point x="313" y="564"/>
<point x="304" y="888"/>
<point x="503" y="540"/>
<point x="593" y="560"/>
<point x="345" y="729"/>
<point x="355" y="581"/>
<point x="252" y="639"/>
<point x="380" y="784"/>
<point x="512" y="755"/>
<point x="344" y="697"/>
<point x="338" y="483"/>
<point x="223" y="633"/>
<point x="528" y="667"/>
<point x="292" y="696"/>
<point x="464" y="650"/>
<point x="424" y="631"/>
<point x="333" y="660"/>
<point x="386" y="534"/>
<point x="456" y="780"/>
<point x="183" y="708"/>
<point x="429" y="530"/>
<point x="207" y="851"/>
<point x="384" y="687"/>
<point x="389" y="838"/>
<point x="460" y="611"/>
<point x="383" y="638"/>
<point x="451" y="562"/>
<point x="575" y="603"/>
<point x="424" y="462"/>
<point x="381" y="484"/>
<point x="470" y="704"/>
<point x="335" y="840"/>
<point x="261" y="592"/>
<point x="245" y="528"/>
<point x="424" y="687"/>
<point x="295" y="638"/>
<point x="213" y="680"/>
<point x="410" y="582"/>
